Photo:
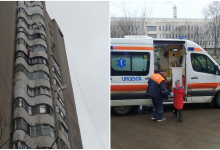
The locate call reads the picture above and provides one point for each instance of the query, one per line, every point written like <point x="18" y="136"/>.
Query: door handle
<point x="147" y="78"/>
<point x="194" y="77"/>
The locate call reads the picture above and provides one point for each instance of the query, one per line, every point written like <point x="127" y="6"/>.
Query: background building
<point x="37" y="97"/>
<point x="197" y="30"/>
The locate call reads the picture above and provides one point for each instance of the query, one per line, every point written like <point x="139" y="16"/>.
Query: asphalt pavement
<point x="200" y="129"/>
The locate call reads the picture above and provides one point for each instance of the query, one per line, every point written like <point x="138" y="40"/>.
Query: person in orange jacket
<point x="178" y="92"/>
<point x="158" y="92"/>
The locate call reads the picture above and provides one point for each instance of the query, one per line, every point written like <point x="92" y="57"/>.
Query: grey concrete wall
<point x="49" y="53"/>
<point x="70" y="107"/>
<point x="7" y="50"/>
<point x="74" y="139"/>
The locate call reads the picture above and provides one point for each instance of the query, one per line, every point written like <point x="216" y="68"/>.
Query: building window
<point x="34" y="131"/>
<point x="20" y="145"/>
<point x="38" y="130"/>
<point x="42" y="109"/>
<point x="55" y="62"/>
<point x="31" y="8"/>
<point x="64" y="130"/>
<point x="57" y="84"/>
<point x="57" y="73"/>
<point x="159" y="28"/>
<point x="31" y="61"/>
<point x="37" y="74"/>
<point x="59" y="98"/>
<point x="151" y="28"/>
<point x="33" y="110"/>
<point x="31" y="48"/>
<point x="57" y="109"/>
<point x="46" y="130"/>
<point x="33" y="26"/>
<point x="63" y="145"/>
<point x="30" y="17"/>
<point x="38" y="90"/>
<point x="52" y="132"/>
<point x="163" y="28"/>
<point x="29" y="110"/>
<point x="60" y="112"/>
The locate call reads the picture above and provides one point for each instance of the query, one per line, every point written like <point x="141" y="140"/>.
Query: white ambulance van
<point x="134" y="60"/>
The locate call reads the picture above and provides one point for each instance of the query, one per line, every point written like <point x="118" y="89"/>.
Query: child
<point x="178" y="92"/>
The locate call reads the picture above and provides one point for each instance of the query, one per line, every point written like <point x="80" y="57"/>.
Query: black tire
<point x="217" y="100"/>
<point x="122" y="110"/>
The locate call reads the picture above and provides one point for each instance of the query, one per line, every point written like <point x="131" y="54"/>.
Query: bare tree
<point x="2" y="123"/>
<point x="212" y="11"/>
<point x="131" y="23"/>
<point x="191" y="30"/>
<point x="205" y="36"/>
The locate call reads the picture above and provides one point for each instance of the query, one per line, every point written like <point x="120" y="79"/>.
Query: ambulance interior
<point x="171" y="56"/>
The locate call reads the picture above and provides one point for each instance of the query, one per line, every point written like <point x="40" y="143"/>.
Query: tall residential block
<point x="37" y="104"/>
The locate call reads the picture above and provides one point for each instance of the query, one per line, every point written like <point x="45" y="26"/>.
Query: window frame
<point x="131" y="73"/>
<point x="206" y="59"/>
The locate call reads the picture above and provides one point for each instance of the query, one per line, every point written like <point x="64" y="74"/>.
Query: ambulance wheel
<point x="217" y="100"/>
<point x="122" y="110"/>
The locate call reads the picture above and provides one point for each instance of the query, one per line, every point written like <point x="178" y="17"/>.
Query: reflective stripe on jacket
<point x="157" y="87"/>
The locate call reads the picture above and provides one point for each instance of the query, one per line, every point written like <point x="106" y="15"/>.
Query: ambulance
<point x="134" y="59"/>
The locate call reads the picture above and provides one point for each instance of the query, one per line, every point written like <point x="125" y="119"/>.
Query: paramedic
<point x="157" y="91"/>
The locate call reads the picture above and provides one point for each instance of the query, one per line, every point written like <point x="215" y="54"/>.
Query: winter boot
<point x="175" y="111"/>
<point x="180" y="116"/>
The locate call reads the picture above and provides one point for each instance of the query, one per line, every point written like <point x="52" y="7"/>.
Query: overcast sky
<point x="85" y="26"/>
<point x="160" y="9"/>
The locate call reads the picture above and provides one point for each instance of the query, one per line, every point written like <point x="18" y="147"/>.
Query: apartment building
<point x="37" y="103"/>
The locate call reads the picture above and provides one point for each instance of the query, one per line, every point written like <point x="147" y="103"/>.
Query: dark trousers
<point x="180" y="113"/>
<point x="157" y="108"/>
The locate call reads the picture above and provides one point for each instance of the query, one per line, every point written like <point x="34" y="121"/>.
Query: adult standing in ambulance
<point x="157" y="91"/>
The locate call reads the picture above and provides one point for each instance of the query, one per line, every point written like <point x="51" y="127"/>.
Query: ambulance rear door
<point x="131" y="67"/>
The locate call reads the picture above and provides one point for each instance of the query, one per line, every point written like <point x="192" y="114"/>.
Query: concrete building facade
<point x="197" y="30"/>
<point x="38" y="104"/>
